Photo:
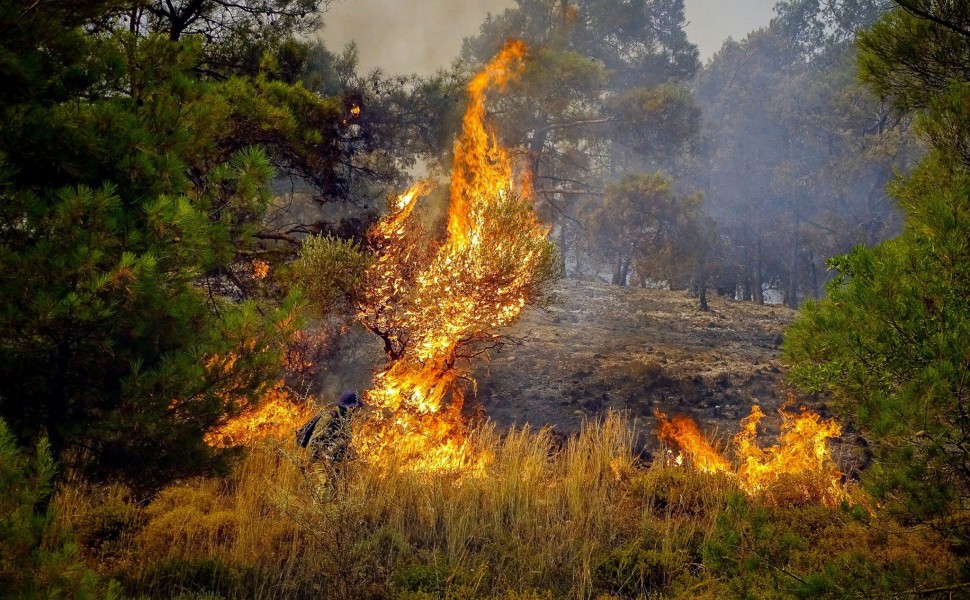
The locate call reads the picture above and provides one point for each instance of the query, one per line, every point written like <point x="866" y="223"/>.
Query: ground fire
<point x="800" y="464"/>
<point x="437" y="303"/>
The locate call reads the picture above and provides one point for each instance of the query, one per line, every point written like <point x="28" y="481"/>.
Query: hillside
<point x="599" y="347"/>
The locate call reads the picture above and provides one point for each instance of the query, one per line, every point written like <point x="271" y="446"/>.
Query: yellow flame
<point x="434" y="299"/>
<point x="482" y="169"/>
<point x="802" y="454"/>
<point x="278" y="416"/>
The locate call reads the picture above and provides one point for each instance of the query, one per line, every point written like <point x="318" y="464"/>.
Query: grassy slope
<point x="545" y="518"/>
<point x="541" y="520"/>
<point x="600" y="347"/>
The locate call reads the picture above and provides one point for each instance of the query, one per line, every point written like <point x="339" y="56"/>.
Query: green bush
<point x="329" y="271"/>
<point x="422" y="578"/>
<point x="819" y="552"/>
<point x="104" y="528"/>
<point x="38" y="557"/>
<point x="208" y="576"/>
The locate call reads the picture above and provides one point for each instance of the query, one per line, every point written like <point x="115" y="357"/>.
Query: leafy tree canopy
<point x="604" y="95"/>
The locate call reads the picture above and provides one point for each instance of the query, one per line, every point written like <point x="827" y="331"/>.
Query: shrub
<point x="816" y="551"/>
<point x="38" y="557"/>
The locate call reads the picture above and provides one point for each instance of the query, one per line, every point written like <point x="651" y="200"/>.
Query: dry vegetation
<point x="544" y="519"/>
<point x="599" y="347"/>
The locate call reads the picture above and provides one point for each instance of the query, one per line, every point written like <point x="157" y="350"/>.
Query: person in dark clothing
<point x="328" y="438"/>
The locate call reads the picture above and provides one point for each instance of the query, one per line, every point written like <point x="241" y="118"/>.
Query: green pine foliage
<point x="38" y="557"/>
<point x="891" y="342"/>
<point x="131" y="184"/>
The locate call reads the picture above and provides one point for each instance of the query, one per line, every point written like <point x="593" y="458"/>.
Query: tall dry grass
<point x="537" y="516"/>
<point x="542" y="519"/>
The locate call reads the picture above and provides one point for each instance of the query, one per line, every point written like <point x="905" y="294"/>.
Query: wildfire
<point x="683" y="431"/>
<point x="437" y="302"/>
<point x="276" y="417"/>
<point x="799" y="468"/>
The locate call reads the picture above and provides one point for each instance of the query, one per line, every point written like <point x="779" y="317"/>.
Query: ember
<point x="801" y="461"/>
<point x="437" y="303"/>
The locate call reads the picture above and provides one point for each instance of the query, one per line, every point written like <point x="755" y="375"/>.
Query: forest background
<point x="187" y="187"/>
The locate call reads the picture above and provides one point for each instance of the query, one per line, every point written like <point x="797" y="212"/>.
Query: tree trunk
<point x="563" y="248"/>
<point x="702" y="285"/>
<point x="759" y="282"/>
<point x="814" y="267"/>
<point x="791" y="290"/>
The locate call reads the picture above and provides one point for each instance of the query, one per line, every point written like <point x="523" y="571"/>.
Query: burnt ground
<point x="599" y="347"/>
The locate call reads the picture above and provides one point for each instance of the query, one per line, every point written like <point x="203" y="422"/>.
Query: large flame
<point x="436" y="303"/>
<point x="277" y="415"/>
<point x="800" y="467"/>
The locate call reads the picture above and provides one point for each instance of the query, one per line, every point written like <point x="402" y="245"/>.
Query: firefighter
<point x="327" y="437"/>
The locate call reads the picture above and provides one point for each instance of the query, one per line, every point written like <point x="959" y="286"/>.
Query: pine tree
<point x="131" y="184"/>
<point x="892" y="340"/>
<point x="39" y="557"/>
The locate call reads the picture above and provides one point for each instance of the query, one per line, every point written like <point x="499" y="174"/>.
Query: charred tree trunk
<point x="563" y="248"/>
<point x="620" y="271"/>
<point x="759" y="281"/>
<point x="791" y="290"/>
<point x="814" y="273"/>
<point x="702" y="289"/>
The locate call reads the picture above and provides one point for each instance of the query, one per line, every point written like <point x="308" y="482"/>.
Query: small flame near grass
<point x="799" y="469"/>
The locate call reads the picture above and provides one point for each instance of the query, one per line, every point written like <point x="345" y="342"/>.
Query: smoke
<point x="421" y="36"/>
<point x="710" y="22"/>
<point x="418" y="36"/>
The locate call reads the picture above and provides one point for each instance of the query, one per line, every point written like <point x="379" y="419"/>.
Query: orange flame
<point x="432" y="301"/>
<point x="683" y="432"/>
<point x="482" y="169"/>
<point x="277" y="416"/>
<point x="801" y="460"/>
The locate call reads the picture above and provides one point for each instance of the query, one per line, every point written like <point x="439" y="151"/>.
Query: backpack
<point x="303" y="434"/>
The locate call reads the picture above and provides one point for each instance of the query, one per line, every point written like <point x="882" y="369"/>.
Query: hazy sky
<point x="405" y="36"/>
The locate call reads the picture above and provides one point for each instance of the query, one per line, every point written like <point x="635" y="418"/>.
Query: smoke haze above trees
<point x="435" y="28"/>
<point x="792" y="155"/>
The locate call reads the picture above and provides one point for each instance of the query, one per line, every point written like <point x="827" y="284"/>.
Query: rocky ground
<point x="599" y="347"/>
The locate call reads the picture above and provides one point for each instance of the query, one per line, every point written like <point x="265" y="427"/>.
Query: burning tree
<point x="437" y="302"/>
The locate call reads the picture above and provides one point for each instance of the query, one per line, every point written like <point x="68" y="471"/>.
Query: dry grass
<point x="543" y="520"/>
